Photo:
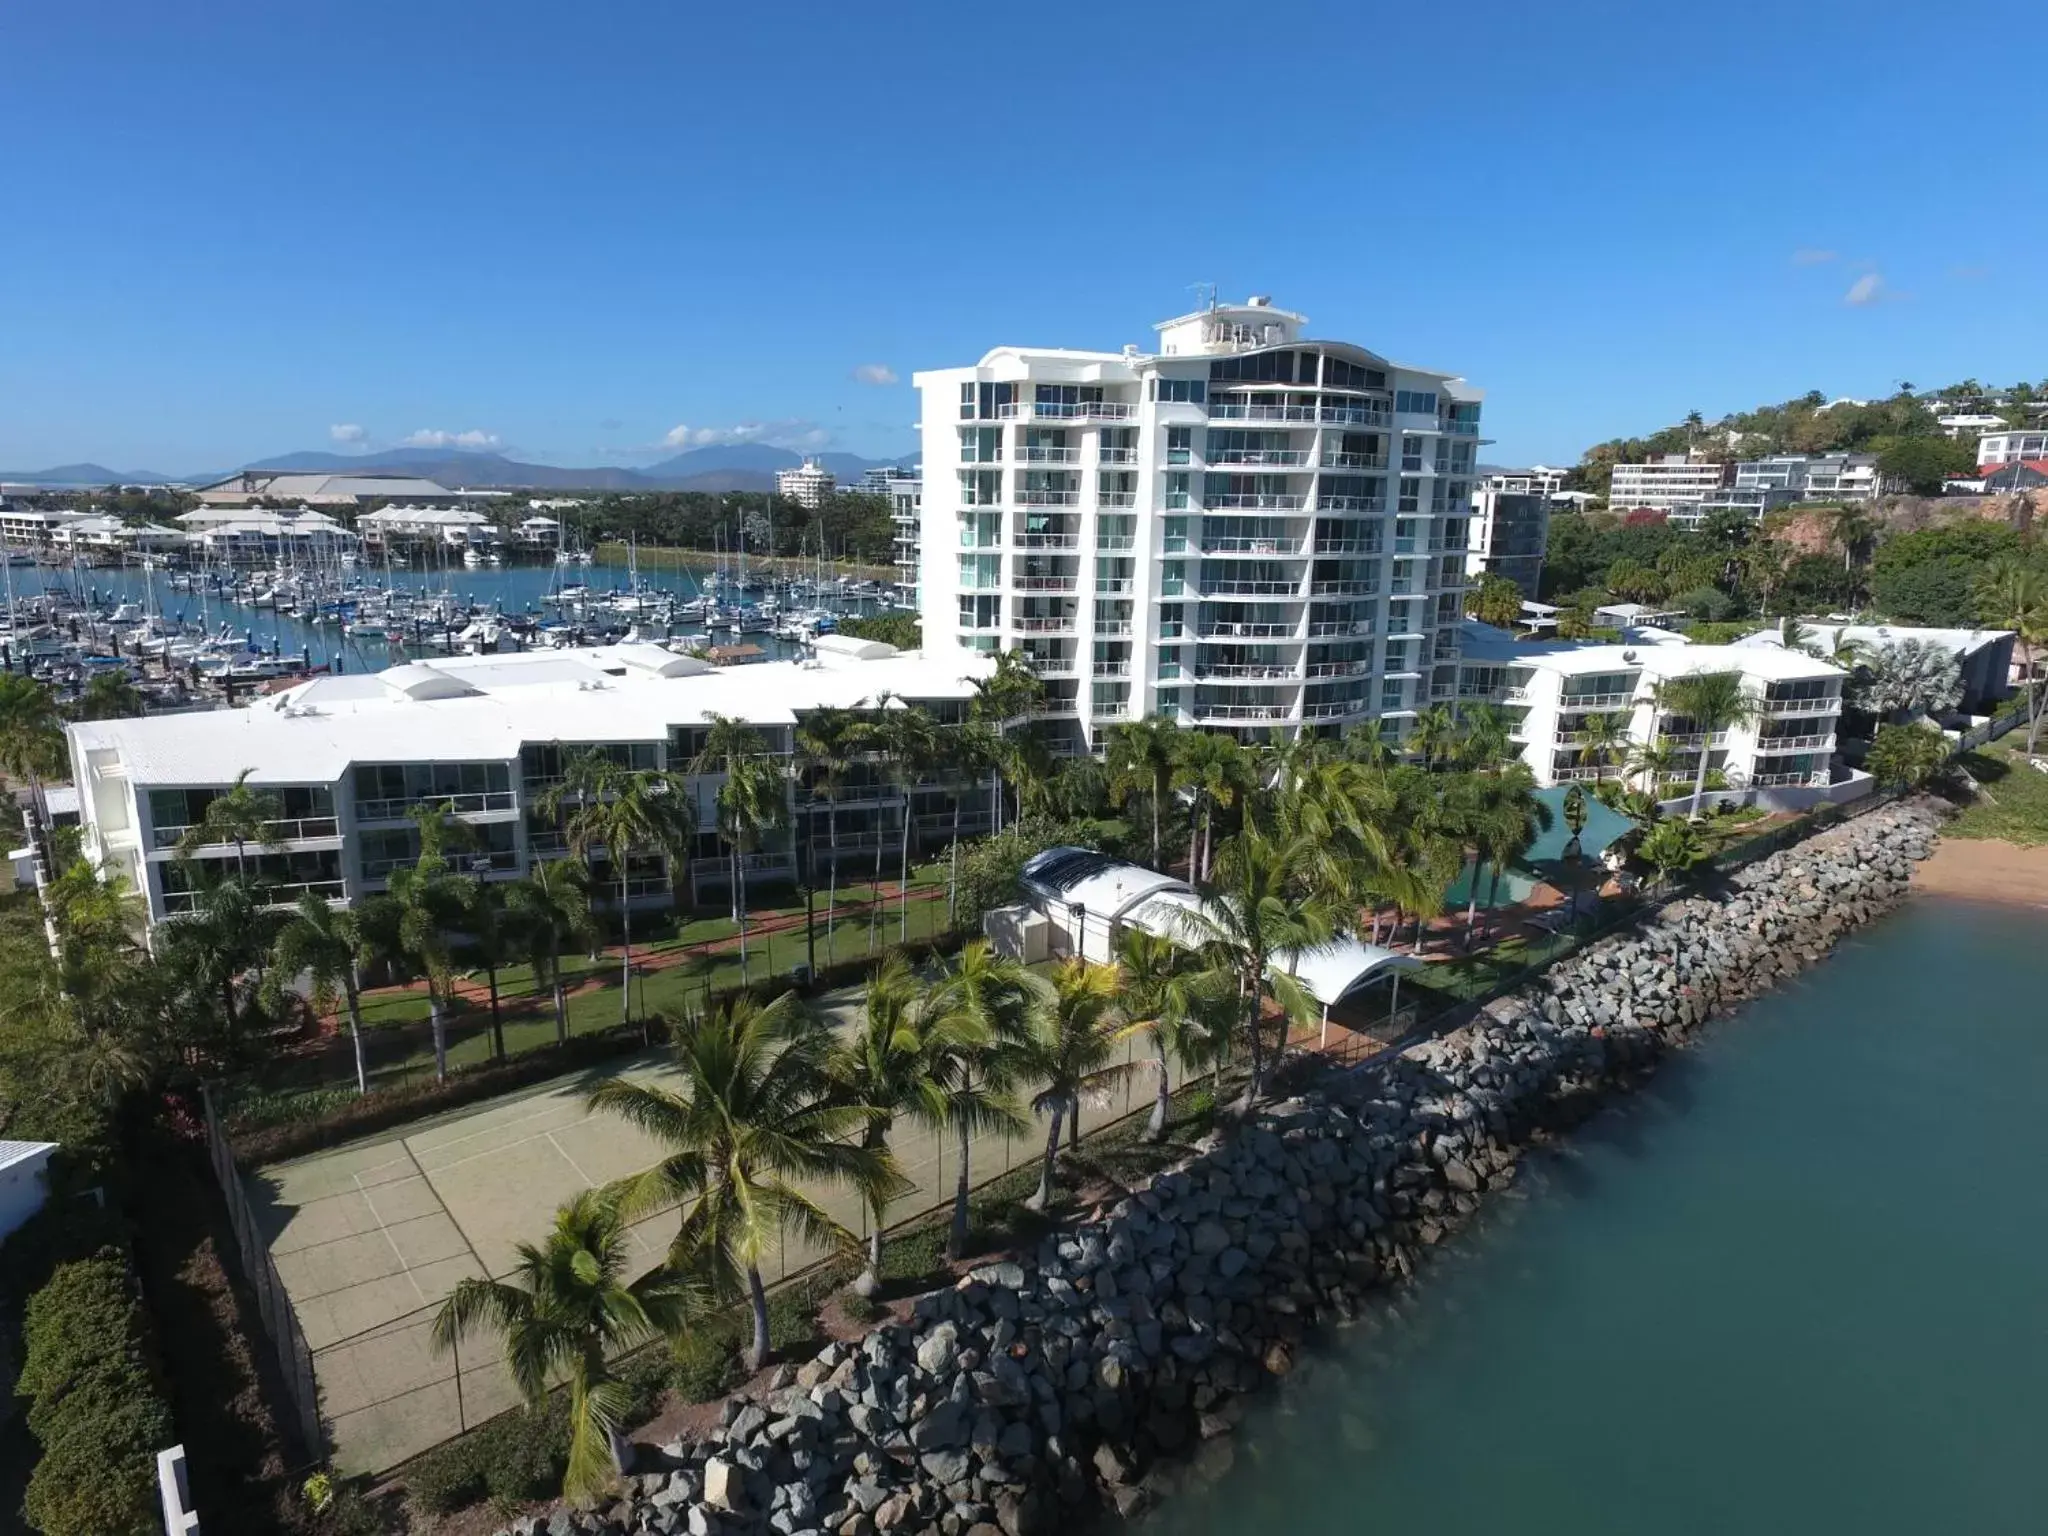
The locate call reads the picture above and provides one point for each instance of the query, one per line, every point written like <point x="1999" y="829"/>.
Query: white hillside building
<point x="1246" y="530"/>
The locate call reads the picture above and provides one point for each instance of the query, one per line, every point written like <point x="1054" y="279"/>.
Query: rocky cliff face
<point x="1117" y="1356"/>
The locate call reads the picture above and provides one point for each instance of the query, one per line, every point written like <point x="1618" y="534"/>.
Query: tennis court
<point x="368" y="1239"/>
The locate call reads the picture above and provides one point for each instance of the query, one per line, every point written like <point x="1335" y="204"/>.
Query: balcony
<point x="1052" y="666"/>
<point x="1336" y="709"/>
<point x="1231" y="411"/>
<point x="1116" y="456"/>
<point x="459" y="805"/>
<point x="1227" y="588"/>
<point x="1690" y="741"/>
<point x="1259" y="501"/>
<point x="1048" y="455"/>
<point x="1244" y="714"/>
<point x="1243" y="672"/>
<point x="1116" y="543"/>
<point x="1111" y="669"/>
<point x="1352" y="461"/>
<point x="1047" y="584"/>
<point x="1067" y="410"/>
<point x="1116" y="499"/>
<point x="1060" y="626"/>
<point x="1345" y="589"/>
<point x="1048" y="541"/>
<point x="1439" y="692"/>
<point x="1232" y="629"/>
<point x="275" y="895"/>
<point x="1775" y="780"/>
<point x="1461" y="428"/>
<point x="1322" y="629"/>
<point x="1347" y="547"/>
<point x="1329" y="503"/>
<point x="1572" y="701"/>
<point x="1827" y="705"/>
<point x="1352" y="416"/>
<point x="1820" y="743"/>
<point x="1047" y="498"/>
<point x="1112" y="626"/>
<point x="302" y="829"/>
<point x="1280" y="457"/>
<point x="1318" y="669"/>
<point x="1234" y="546"/>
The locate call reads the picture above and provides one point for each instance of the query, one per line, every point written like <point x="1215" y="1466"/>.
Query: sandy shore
<point x="1983" y="870"/>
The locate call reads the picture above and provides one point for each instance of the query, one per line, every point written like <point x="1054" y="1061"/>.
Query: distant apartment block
<point x="1511" y="526"/>
<point x="810" y="484"/>
<point x="1673" y="484"/>
<point x="1247" y="530"/>
<point x="1998" y="448"/>
<point x="1762" y="485"/>
<point x="906" y="503"/>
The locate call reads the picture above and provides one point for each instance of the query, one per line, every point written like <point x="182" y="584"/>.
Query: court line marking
<point x="405" y="1267"/>
<point x="474" y="1257"/>
<point x="574" y="1166"/>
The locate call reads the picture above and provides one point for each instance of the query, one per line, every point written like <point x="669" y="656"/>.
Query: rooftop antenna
<point x="1205" y="295"/>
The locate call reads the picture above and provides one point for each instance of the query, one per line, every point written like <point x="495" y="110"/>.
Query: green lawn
<point x="673" y="971"/>
<point x="2012" y="803"/>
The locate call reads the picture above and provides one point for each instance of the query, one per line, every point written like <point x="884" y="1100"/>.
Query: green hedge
<point x="95" y="1404"/>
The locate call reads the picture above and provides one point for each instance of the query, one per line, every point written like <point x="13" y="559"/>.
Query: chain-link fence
<point x="273" y="1304"/>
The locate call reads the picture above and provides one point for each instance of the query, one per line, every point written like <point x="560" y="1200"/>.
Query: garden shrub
<point x="707" y="1364"/>
<point x="96" y="1408"/>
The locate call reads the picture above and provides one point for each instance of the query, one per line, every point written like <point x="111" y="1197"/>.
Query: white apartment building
<point x="1537" y="480"/>
<point x="808" y="485"/>
<point x="1550" y="687"/>
<point x="1246" y="530"/>
<point x="1999" y="448"/>
<point x="456" y="528"/>
<point x="349" y="757"/>
<point x="906" y="503"/>
<point x="1673" y="484"/>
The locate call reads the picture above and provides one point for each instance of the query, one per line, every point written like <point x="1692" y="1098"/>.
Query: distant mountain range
<point x="734" y="467"/>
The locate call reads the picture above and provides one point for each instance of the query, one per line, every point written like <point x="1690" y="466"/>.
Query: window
<point x="980" y="572"/>
<point x="981" y="487"/>
<point x="1411" y="496"/>
<point x="1338" y="374"/>
<point x="1173" y="537"/>
<point x="1392" y="689"/>
<point x="1181" y="391"/>
<point x="981" y="445"/>
<point x="1170" y="621"/>
<point x="1264" y="368"/>
<point x="1180" y="444"/>
<point x="1420" y="401"/>
<point x="1172" y="577"/>
<point x="980" y="612"/>
<point x="1411" y="453"/>
<point x="986" y="402"/>
<point x="1177" y="489"/>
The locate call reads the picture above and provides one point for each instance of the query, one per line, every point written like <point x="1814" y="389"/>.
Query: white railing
<point x="1250" y="588"/>
<point x="1046" y="583"/>
<point x="1826" y="705"/>
<point x="1692" y="740"/>
<point x="1114" y="586"/>
<point x="1773" y="780"/>
<point x="1234" y="546"/>
<point x="463" y="805"/>
<point x="1112" y="669"/>
<point x="1264" y="501"/>
<point x="1063" y="626"/>
<point x="1117" y="499"/>
<point x="1339" y="668"/>
<point x="1345" y="589"/>
<point x="1116" y="456"/>
<point x="1030" y="455"/>
<point x="1321" y="628"/>
<point x="1254" y="713"/>
<point x="1574" y="701"/>
<point x="1579" y="775"/>
<point x="1116" y="543"/>
<point x="276" y="895"/>
<point x="300" y="829"/>
<point x="1112" y="626"/>
<point x="1048" y="498"/>
<point x="1348" y="547"/>
<point x="1273" y="456"/>
<point x="1231" y="411"/>
<point x="1328" y="503"/>
<point x="1236" y="672"/>
<point x="1352" y="416"/>
<point x="1048" y="541"/>
<point x="1052" y="666"/>
<point x="1443" y="690"/>
<point x="1335" y="710"/>
<point x="1354" y="461"/>
<point x="1795" y="743"/>
<point x="1228" y="629"/>
<point x="1067" y="410"/>
<point x="1462" y="428"/>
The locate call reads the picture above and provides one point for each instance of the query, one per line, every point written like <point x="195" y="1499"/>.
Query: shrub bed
<point x="95" y="1404"/>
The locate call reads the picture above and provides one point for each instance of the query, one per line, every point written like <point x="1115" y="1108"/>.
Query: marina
<point x="187" y="636"/>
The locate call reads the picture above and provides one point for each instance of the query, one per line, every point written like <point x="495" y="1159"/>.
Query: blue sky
<point x="586" y="233"/>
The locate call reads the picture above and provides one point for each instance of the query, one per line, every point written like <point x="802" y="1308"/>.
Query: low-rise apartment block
<point x="2011" y="447"/>
<point x="1675" y="485"/>
<point x="351" y="757"/>
<point x="1551" y="689"/>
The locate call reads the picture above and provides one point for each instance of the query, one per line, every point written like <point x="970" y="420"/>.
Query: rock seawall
<point x="1117" y="1358"/>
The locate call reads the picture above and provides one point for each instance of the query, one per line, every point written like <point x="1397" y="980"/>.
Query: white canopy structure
<point x="1089" y="897"/>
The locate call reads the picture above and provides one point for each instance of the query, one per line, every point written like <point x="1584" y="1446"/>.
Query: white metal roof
<point x="13" y="1152"/>
<point x="1329" y="972"/>
<point x="484" y="708"/>
<point x="1101" y="886"/>
<point x="1963" y="642"/>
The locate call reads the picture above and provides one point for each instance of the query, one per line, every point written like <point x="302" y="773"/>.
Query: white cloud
<point x="875" y="373"/>
<point x="1867" y="289"/>
<point x="791" y="432"/>
<point x="1811" y="256"/>
<point x="348" y="433"/>
<point x="432" y="437"/>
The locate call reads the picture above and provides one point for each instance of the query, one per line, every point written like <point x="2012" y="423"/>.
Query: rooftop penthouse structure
<point x="351" y="757"/>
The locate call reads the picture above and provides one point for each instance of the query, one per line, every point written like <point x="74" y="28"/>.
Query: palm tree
<point x="1071" y="1050"/>
<point x="31" y="742"/>
<point x="1672" y="846"/>
<point x="915" y="751"/>
<point x="1142" y="758"/>
<point x="1512" y="819"/>
<point x="1911" y="676"/>
<point x="1712" y="702"/>
<point x="2014" y="596"/>
<point x="495" y="934"/>
<point x="970" y="751"/>
<point x="566" y="1310"/>
<point x="1001" y="700"/>
<point x="1603" y="739"/>
<point x="1219" y="771"/>
<point x="323" y="943"/>
<point x="1653" y="763"/>
<point x="1486" y="737"/>
<point x="553" y="905"/>
<point x="1251" y="914"/>
<point x="1849" y="526"/>
<point x="217" y="940"/>
<point x="825" y="747"/>
<point x="621" y="809"/>
<point x="1161" y="995"/>
<point x="108" y="696"/>
<point x="239" y="815"/>
<point x="1434" y="738"/>
<point x="754" y="1112"/>
<point x="752" y="799"/>
<point x="412" y="921"/>
<point x="979" y="1008"/>
<point x="889" y="1067"/>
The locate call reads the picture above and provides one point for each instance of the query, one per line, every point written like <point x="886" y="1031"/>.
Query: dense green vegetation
<point x="902" y="630"/>
<point x="846" y="526"/>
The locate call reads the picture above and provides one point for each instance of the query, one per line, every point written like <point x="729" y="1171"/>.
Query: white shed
<point x="23" y="1185"/>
